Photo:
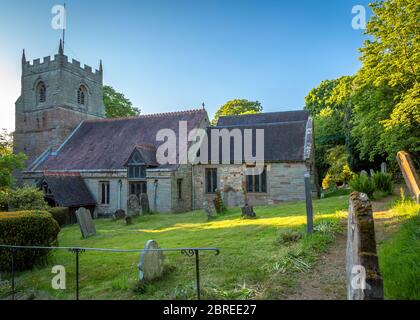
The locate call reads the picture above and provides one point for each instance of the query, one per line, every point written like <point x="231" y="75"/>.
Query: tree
<point x="387" y="119"/>
<point x="8" y="161"/>
<point x="117" y="105"/>
<point x="237" y="107"/>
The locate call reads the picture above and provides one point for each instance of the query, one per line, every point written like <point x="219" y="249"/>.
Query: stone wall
<point x="364" y="281"/>
<point x="284" y="183"/>
<point x="159" y="190"/>
<point x="40" y="125"/>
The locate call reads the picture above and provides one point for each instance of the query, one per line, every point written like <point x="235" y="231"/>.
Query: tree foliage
<point x="376" y="112"/>
<point x="117" y="105"/>
<point x="237" y="107"/>
<point x="8" y="161"/>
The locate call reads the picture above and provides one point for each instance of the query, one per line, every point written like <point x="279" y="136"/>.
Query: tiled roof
<point x="284" y="133"/>
<point x="263" y="118"/>
<point x="106" y="144"/>
<point x="69" y="190"/>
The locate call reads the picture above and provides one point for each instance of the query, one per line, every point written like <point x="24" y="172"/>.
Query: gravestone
<point x="144" y="203"/>
<point x="383" y="167"/>
<point x="84" y="218"/>
<point x="133" y="205"/>
<point x="248" y="211"/>
<point x="372" y="172"/>
<point x="119" y="214"/>
<point x="128" y="220"/>
<point x="231" y="197"/>
<point x="363" y="173"/>
<point x="151" y="262"/>
<point x="208" y="209"/>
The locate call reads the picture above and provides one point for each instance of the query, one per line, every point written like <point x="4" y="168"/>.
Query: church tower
<point x="56" y="95"/>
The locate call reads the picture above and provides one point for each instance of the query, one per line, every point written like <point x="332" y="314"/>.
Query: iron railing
<point x="190" y="252"/>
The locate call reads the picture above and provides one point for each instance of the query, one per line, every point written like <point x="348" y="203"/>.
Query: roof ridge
<point x="151" y="115"/>
<point x="262" y="113"/>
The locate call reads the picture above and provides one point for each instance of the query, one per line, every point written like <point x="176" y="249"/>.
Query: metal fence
<point x="189" y="252"/>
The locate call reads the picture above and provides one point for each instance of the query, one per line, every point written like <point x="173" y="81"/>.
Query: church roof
<point x="284" y="133"/>
<point x="68" y="190"/>
<point x="264" y="118"/>
<point x="106" y="144"/>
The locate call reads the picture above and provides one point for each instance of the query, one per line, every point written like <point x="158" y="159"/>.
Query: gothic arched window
<point x="82" y="95"/>
<point x="41" y="92"/>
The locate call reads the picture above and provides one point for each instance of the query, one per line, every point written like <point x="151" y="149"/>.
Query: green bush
<point x="26" y="198"/>
<point x="362" y="183"/>
<point x="26" y="228"/>
<point x="382" y="182"/>
<point x="61" y="215"/>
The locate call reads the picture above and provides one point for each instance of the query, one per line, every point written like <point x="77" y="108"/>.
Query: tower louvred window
<point x="41" y="92"/>
<point x="81" y="95"/>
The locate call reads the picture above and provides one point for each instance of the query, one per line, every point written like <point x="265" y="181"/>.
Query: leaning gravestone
<point x="84" y="218"/>
<point x="133" y="205"/>
<point x="119" y="214"/>
<point x="151" y="262"/>
<point x="383" y="167"/>
<point x="144" y="203"/>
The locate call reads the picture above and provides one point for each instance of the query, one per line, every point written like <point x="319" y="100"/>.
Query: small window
<point x="41" y="92"/>
<point x="257" y="183"/>
<point x="136" y="172"/>
<point x="179" y="184"/>
<point x="81" y="95"/>
<point x="104" y="192"/>
<point x="211" y="180"/>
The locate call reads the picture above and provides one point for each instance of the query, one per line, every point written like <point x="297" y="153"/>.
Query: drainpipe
<point x="193" y="189"/>
<point x="119" y="193"/>
<point x="155" y="196"/>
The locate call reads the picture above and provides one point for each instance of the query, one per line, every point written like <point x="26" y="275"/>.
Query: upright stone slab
<point x="364" y="281"/>
<point x="144" y="203"/>
<point x="151" y="262"/>
<point x="133" y="205"/>
<point x="87" y="227"/>
<point x="119" y="214"/>
<point x="383" y="167"/>
<point x="208" y="209"/>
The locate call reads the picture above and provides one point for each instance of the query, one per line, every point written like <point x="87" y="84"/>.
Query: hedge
<point x="61" y="215"/>
<point x="26" y="228"/>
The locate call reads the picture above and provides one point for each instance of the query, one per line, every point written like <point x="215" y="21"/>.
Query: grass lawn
<point x="399" y="256"/>
<point x="255" y="260"/>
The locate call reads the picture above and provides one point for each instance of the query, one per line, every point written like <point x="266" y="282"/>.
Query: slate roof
<point x="69" y="190"/>
<point x="264" y="118"/>
<point x="284" y="133"/>
<point x="106" y="144"/>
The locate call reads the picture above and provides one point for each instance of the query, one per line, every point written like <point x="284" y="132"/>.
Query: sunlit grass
<point x="249" y="250"/>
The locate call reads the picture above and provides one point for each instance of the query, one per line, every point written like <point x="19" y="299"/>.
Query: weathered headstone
<point x="383" y="167"/>
<point x="119" y="214"/>
<point x="231" y="197"/>
<point x="218" y="203"/>
<point x="248" y="211"/>
<point x="133" y="205"/>
<point x="128" y="220"/>
<point x="372" y="172"/>
<point x="84" y="218"/>
<point x="364" y="281"/>
<point x="208" y="209"/>
<point x="363" y="173"/>
<point x="151" y="262"/>
<point x="144" y="203"/>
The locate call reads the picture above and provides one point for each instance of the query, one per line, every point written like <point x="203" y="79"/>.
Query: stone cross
<point x="151" y="262"/>
<point x="84" y="218"/>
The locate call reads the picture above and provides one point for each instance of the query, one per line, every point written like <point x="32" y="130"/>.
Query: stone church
<point x="80" y="158"/>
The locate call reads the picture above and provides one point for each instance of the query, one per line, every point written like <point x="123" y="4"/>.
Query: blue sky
<point x="175" y="54"/>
